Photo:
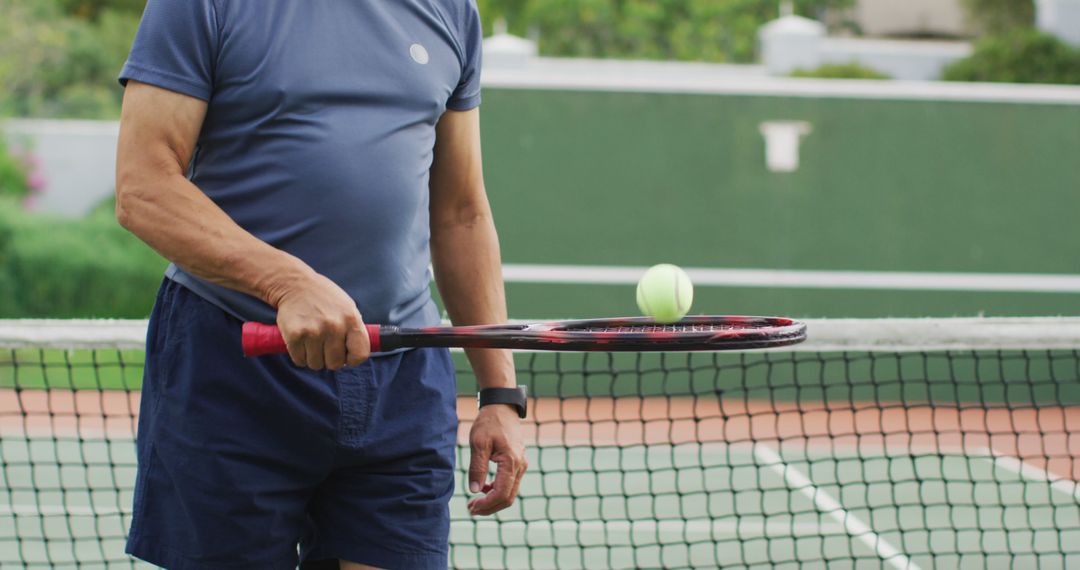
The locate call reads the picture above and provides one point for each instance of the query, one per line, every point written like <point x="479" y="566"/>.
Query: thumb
<point x="478" y="466"/>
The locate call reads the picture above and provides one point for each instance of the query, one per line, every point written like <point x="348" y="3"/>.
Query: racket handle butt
<point x="258" y="339"/>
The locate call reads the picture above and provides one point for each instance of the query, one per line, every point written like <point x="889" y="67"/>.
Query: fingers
<point x="329" y="344"/>
<point x="523" y="466"/>
<point x="499" y="497"/>
<point x="334" y="351"/>
<point x="332" y="348"/>
<point x="478" y="466"/>
<point x="502" y="492"/>
<point x="322" y="326"/>
<point x="357" y="345"/>
<point x="496" y="437"/>
<point x="298" y="353"/>
<point x="510" y="469"/>
<point x="315" y="353"/>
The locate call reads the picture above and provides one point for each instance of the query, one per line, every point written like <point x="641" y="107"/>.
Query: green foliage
<point x="583" y="28"/>
<point x="1001" y="16"/>
<point x="510" y="11"/>
<point x="8" y="305"/>
<point x="56" y="65"/>
<point x="1022" y="56"/>
<point x="59" y="268"/>
<point x="13" y="175"/>
<point x="841" y="71"/>
<point x="27" y="43"/>
<point x="92" y="9"/>
<point x="695" y="30"/>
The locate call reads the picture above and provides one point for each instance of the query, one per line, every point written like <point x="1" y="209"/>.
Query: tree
<point x="699" y="30"/>
<point x="511" y="11"/>
<point x="55" y="65"/>
<point x="1021" y="56"/>
<point x="1000" y="16"/>
<point x="29" y="42"/>
<point x="93" y="9"/>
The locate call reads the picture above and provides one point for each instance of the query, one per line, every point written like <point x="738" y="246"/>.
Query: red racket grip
<point x="258" y="339"/>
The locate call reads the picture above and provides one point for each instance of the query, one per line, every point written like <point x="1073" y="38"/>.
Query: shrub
<point x="58" y="268"/>
<point x="1021" y="56"/>
<point x="700" y="30"/>
<point x="1000" y="16"/>
<point x="7" y="284"/>
<point x="841" y="71"/>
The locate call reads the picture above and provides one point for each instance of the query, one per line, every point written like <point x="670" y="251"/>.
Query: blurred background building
<point x="913" y="18"/>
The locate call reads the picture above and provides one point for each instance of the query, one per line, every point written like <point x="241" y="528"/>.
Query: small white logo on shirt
<point x="419" y="54"/>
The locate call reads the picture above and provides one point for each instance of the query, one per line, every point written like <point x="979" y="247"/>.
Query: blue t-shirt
<point x="319" y="131"/>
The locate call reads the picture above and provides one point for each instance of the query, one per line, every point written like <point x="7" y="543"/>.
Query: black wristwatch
<point x="517" y="397"/>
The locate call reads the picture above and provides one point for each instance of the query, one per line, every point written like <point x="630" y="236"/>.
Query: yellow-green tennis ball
<point x="665" y="293"/>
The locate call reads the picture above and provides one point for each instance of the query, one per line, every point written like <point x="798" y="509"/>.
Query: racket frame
<point x="734" y="333"/>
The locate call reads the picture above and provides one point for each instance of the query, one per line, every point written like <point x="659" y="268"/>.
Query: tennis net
<point x="934" y="443"/>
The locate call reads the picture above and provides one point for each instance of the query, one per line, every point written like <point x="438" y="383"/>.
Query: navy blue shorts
<point x="242" y="460"/>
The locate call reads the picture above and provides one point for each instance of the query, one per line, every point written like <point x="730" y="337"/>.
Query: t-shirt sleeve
<point x="467" y="94"/>
<point x="175" y="47"/>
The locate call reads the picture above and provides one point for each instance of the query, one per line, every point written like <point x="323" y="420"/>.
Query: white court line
<point x="802" y="279"/>
<point x="1028" y="471"/>
<point x="797" y="481"/>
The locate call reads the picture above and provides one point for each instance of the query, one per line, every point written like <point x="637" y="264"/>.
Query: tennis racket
<point x="604" y="335"/>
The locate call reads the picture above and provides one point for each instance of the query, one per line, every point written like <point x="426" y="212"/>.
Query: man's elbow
<point x="460" y="223"/>
<point x="465" y="213"/>
<point x="131" y="198"/>
<point x="471" y="217"/>
<point x="124" y="215"/>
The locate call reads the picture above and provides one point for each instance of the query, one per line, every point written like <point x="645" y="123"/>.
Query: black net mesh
<point x="937" y="459"/>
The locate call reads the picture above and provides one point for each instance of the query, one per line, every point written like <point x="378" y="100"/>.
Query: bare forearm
<point x="468" y="271"/>
<point x="171" y="215"/>
<point x="159" y="131"/>
<point x="464" y="245"/>
<point x="156" y="202"/>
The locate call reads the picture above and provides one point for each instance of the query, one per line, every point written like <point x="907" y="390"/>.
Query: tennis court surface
<point x="877" y="444"/>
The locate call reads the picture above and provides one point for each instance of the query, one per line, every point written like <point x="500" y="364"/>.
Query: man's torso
<point x="318" y="140"/>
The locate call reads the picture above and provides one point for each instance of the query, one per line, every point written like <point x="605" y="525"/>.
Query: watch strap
<point x="517" y="397"/>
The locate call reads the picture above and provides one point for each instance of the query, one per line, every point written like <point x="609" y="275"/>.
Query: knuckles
<point x="325" y="328"/>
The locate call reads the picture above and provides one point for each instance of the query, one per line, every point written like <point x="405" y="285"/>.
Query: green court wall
<point x="620" y="178"/>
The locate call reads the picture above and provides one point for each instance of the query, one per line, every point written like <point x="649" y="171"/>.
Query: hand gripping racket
<point x="603" y="335"/>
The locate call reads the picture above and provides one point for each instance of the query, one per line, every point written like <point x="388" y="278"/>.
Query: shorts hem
<point x="148" y="551"/>
<point x="380" y="556"/>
